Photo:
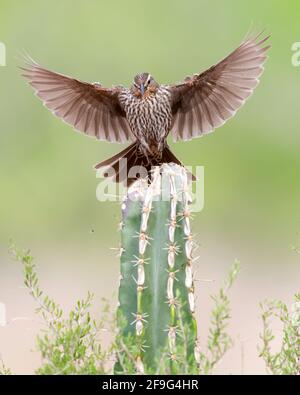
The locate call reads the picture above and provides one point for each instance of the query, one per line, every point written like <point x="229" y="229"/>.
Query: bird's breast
<point x="150" y="114"/>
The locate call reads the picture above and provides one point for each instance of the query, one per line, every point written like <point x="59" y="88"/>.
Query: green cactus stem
<point x="156" y="294"/>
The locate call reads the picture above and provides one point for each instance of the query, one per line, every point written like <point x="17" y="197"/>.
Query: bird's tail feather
<point x="129" y="164"/>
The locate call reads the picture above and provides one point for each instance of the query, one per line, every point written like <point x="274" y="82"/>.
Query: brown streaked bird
<point x="147" y="112"/>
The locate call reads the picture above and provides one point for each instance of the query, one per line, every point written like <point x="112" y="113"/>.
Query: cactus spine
<point x="156" y="294"/>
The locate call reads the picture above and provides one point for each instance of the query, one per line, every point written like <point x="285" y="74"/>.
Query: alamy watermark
<point x="296" y="55"/>
<point x="2" y="54"/>
<point x="3" y="321"/>
<point x="107" y="190"/>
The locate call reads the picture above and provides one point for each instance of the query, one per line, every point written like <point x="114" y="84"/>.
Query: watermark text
<point x="3" y="321"/>
<point x="2" y="54"/>
<point x="192" y="181"/>
<point x="296" y="54"/>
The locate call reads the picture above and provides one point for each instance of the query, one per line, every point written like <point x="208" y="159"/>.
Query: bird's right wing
<point x="89" y="108"/>
<point x="207" y="100"/>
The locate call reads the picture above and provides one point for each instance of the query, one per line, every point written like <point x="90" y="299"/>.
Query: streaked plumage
<point x="147" y="112"/>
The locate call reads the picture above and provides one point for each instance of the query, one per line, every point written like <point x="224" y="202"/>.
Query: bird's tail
<point x="130" y="164"/>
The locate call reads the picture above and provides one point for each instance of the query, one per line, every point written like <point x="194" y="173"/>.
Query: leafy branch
<point x="69" y="343"/>
<point x="287" y="360"/>
<point x="219" y="341"/>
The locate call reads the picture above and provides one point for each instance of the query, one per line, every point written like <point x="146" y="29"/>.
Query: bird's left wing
<point x="89" y="108"/>
<point x="206" y="101"/>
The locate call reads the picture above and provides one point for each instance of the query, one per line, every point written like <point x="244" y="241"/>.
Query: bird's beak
<point x="142" y="89"/>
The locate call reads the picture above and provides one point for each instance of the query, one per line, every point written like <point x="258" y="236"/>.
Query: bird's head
<point x="144" y="84"/>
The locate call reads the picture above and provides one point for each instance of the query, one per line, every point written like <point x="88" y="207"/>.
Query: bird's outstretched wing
<point x="89" y="108"/>
<point x="206" y="101"/>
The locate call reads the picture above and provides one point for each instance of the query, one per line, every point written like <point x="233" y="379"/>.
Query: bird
<point x="147" y="112"/>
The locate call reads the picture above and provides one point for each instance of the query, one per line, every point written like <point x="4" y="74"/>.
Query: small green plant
<point x="69" y="342"/>
<point x="4" y="371"/>
<point x="219" y="342"/>
<point x="287" y="360"/>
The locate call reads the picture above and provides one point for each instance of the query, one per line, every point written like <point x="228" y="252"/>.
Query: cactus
<point x="156" y="293"/>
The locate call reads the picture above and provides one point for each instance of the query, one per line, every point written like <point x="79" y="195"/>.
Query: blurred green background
<point x="252" y="188"/>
